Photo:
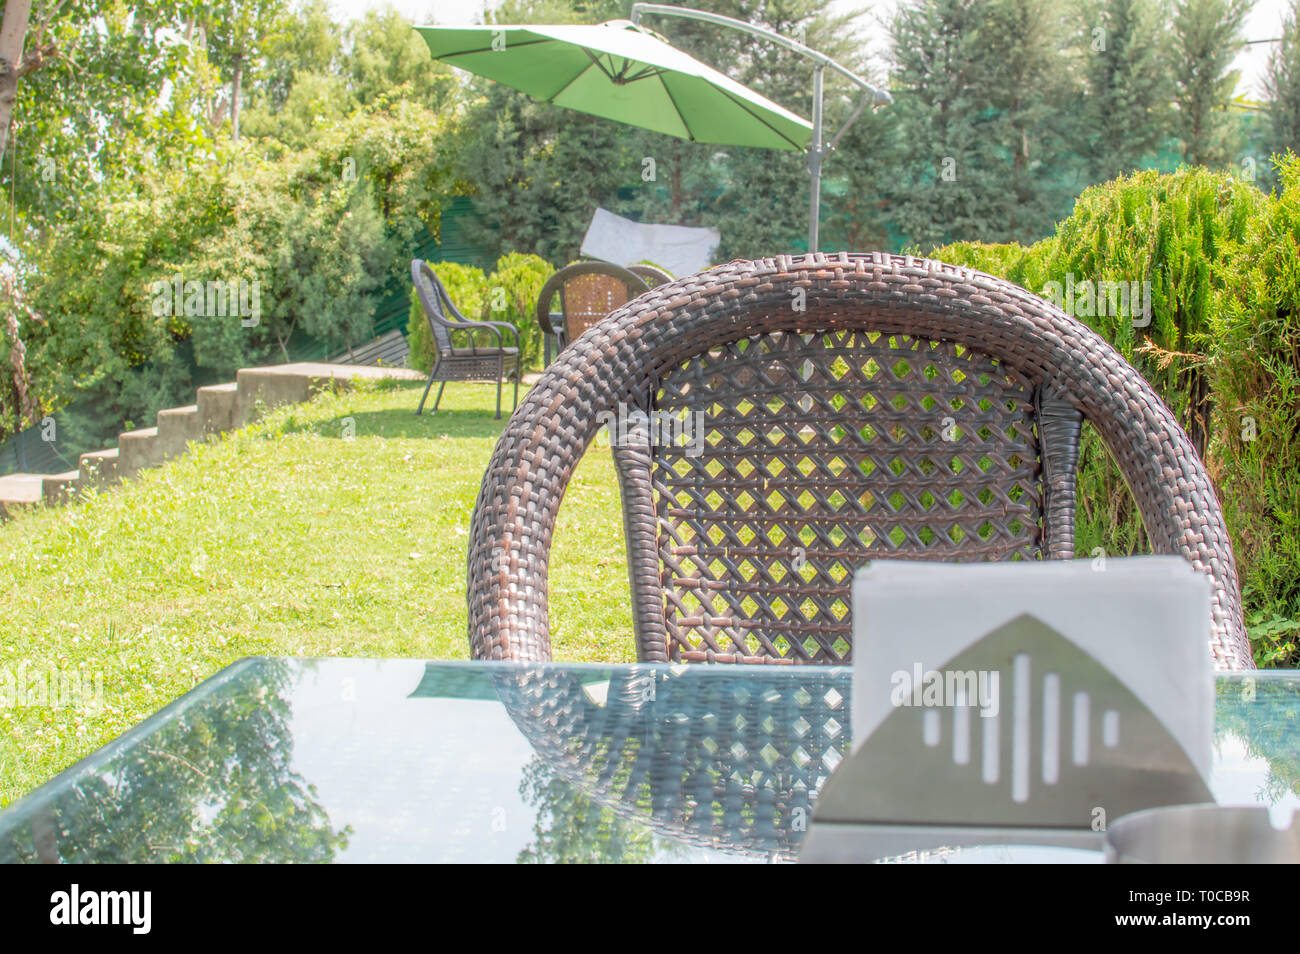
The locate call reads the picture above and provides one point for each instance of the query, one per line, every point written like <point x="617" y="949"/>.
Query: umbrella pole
<point x="815" y="162"/>
<point x="816" y="152"/>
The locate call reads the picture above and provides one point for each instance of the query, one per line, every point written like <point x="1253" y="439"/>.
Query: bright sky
<point x="1264" y="22"/>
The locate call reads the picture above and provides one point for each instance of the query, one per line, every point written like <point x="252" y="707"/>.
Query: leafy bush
<point x="321" y="232"/>
<point x="467" y="287"/>
<point x="1255" y="380"/>
<point x="513" y="290"/>
<point x="1175" y="232"/>
<point x="1005" y="261"/>
<point x="1221" y="347"/>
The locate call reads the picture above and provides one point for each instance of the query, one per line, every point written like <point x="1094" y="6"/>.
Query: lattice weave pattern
<point x="733" y="765"/>
<point x="589" y="298"/>
<point x="797" y="458"/>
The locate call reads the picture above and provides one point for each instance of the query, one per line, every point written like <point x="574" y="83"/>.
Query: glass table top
<point x="355" y="760"/>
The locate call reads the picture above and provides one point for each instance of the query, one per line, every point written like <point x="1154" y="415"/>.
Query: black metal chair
<point x="470" y="361"/>
<point x="588" y="291"/>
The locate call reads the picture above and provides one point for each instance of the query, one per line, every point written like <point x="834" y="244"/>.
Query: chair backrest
<point x="781" y="421"/>
<point x="438" y="308"/>
<point x="776" y="464"/>
<point x="588" y="291"/>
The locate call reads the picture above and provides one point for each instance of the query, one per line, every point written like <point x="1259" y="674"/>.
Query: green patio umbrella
<point x="624" y="72"/>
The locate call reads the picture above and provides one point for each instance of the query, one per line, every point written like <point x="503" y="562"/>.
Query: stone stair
<point x="99" y="468"/>
<point x="19" y="492"/>
<point x="218" y="408"/>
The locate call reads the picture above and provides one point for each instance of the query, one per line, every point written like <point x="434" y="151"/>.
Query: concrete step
<point x="136" y="451"/>
<point x="218" y="406"/>
<point x="99" y="468"/>
<point x="177" y="426"/>
<point x="296" y="383"/>
<point x="19" y="492"/>
<point x="60" y="488"/>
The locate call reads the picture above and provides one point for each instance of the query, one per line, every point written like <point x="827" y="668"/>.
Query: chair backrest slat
<point x="433" y="298"/>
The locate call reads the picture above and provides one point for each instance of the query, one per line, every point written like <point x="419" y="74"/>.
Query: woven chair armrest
<point x="470" y="327"/>
<point x="503" y="326"/>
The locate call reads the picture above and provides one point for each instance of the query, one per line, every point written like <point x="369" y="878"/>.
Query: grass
<point x="289" y="537"/>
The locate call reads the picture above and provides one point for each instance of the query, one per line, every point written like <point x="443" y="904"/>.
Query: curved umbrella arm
<point x="879" y="97"/>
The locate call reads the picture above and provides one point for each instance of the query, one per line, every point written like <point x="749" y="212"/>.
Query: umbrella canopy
<point x="622" y="72"/>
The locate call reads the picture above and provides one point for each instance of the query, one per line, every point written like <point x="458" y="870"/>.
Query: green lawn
<point x="286" y="538"/>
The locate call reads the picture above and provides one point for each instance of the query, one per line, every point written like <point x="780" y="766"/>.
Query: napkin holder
<point x="1091" y="698"/>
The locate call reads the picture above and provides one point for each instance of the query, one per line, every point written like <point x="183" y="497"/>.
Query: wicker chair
<point x="588" y="291"/>
<point x="468" y="361"/>
<point x="844" y="407"/>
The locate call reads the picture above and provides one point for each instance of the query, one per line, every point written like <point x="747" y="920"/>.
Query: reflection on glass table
<point x="401" y="760"/>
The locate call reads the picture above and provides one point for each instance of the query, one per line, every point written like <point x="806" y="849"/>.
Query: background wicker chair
<point x="850" y="406"/>
<point x="468" y="361"/>
<point x="587" y="291"/>
<point x="652" y="275"/>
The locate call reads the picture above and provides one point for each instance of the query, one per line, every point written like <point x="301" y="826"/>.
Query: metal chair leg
<point x="438" y="400"/>
<point x="501" y="373"/>
<point x="424" y="397"/>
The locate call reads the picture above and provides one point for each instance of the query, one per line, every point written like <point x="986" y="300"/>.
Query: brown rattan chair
<point x="587" y="291"/>
<point x="468" y="361"/>
<point x="846" y="406"/>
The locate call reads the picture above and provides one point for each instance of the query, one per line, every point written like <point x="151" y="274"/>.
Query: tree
<point x="1206" y="39"/>
<point x="1282" y="88"/>
<point x="322" y="231"/>
<point x="1128" y="88"/>
<point x="310" y="43"/>
<point x="237" y="33"/>
<point x="386" y="54"/>
<point x="1033" y="90"/>
<point x="758" y="198"/>
<point x="92" y="118"/>
<point x="979" y="110"/>
<point x="15" y="63"/>
<point x="18" y="401"/>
